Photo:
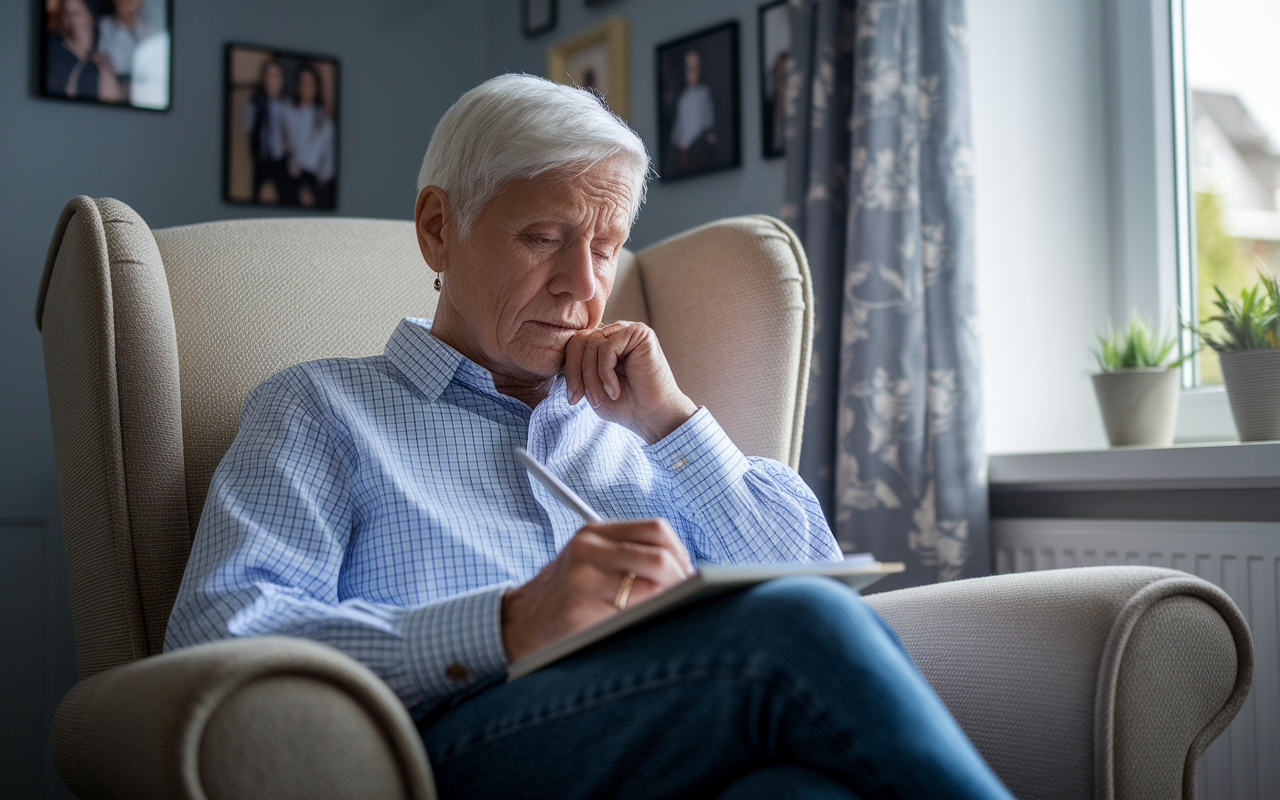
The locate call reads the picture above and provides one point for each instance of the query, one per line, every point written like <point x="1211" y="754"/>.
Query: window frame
<point x="1153" y="231"/>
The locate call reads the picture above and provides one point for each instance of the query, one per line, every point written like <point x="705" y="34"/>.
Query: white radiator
<point x="1243" y="558"/>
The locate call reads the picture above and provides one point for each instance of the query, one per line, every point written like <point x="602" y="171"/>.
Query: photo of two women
<point x="107" y="51"/>
<point x="281" y="131"/>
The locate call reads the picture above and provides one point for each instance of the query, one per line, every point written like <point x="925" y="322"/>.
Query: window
<point x="1226" y="105"/>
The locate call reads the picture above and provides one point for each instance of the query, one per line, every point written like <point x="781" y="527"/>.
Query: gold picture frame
<point x="598" y="58"/>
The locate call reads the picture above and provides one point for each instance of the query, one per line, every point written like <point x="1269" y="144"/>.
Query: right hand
<point x="578" y="588"/>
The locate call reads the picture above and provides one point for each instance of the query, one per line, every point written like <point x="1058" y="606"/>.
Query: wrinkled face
<point x="692" y="67"/>
<point x="307" y="88"/>
<point x="538" y="265"/>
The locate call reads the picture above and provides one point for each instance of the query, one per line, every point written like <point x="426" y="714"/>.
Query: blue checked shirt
<point x="375" y="505"/>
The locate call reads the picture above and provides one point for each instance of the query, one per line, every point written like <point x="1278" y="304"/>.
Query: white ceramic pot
<point x="1139" y="406"/>
<point x="1253" y="389"/>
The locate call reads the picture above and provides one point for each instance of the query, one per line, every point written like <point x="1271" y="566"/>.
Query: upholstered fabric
<point x="218" y="721"/>
<point x="251" y="297"/>
<point x="730" y="301"/>
<point x="1075" y="683"/>
<point x="1103" y="682"/>
<point x="113" y="395"/>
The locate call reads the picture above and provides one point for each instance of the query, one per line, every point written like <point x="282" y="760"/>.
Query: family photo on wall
<point x="775" y="60"/>
<point x="107" y="51"/>
<point x="698" y="129"/>
<point x="281" y="128"/>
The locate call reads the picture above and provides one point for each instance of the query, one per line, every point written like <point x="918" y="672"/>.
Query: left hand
<point x="621" y="370"/>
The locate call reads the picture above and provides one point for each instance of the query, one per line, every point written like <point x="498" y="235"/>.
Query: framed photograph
<point x="775" y="60"/>
<point x="537" y="16"/>
<point x="116" y="52"/>
<point x="597" y="59"/>
<point x="281" y="128"/>
<point x="698" y="108"/>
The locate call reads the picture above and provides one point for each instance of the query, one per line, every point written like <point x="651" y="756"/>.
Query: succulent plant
<point x="1135" y="346"/>
<point x="1251" y="323"/>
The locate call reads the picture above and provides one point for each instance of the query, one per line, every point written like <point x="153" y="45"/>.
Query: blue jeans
<point x="793" y="688"/>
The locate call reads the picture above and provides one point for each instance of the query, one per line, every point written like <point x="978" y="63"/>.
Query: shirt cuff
<point x="456" y="643"/>
<point x="700" y="459"/>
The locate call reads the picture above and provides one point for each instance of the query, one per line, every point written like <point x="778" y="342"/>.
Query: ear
<point x="431" y="216"/>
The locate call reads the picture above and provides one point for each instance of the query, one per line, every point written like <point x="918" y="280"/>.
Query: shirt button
<point x="457" y="672"/>
<point x="679" y="463"/>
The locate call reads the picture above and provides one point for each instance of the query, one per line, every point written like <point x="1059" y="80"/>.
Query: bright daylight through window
<point x="1232" y="58"/>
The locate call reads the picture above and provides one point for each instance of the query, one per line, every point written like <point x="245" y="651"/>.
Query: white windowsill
<point x="1230" y="465"/>
<point x="1204" y="416"/>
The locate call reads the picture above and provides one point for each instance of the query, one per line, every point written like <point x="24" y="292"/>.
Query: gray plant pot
<point x="1139" y="406"/>
<point x="1253" y="389"/>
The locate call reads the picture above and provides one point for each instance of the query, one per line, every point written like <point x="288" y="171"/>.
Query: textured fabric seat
<point x="1107" y="682"/>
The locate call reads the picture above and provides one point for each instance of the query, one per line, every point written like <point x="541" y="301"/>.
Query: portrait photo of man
<point x="698" y="123"/>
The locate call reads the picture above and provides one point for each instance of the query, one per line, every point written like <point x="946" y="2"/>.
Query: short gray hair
<point x="520" y="126"/>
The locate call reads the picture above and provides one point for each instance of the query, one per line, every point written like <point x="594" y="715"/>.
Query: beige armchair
<point x="1105" y="682"/>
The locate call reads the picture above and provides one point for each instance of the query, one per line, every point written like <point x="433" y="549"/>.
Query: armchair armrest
<point x="262" y="717"/>
<point x="1103" y="682"/>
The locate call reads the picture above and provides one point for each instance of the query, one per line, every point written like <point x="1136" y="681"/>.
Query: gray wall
<point x="754" y="188"/>
<point x="403" y="62"/>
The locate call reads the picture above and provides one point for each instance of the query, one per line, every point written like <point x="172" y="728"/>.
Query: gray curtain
<point x="880" y="189"/>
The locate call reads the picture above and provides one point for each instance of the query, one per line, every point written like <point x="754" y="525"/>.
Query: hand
<point x="109" y="88"/>
<point x="621" y="370"/>
<point x="578" y="588"/>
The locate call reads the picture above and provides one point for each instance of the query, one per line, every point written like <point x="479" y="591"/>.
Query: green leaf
<point x="1136" y="346"/>
<point x="1250" y="323"/>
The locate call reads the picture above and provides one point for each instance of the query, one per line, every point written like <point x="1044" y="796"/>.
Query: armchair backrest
<point x="153" y="339"/>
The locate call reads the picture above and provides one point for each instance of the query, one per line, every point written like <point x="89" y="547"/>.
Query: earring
<point x="437" y="283"/>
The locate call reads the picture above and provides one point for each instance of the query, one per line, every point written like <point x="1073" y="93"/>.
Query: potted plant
<point x="1249" y="351"/>
<point x="1137" y="386"/>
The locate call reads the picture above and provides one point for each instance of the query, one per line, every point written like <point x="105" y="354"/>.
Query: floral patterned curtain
<point x="880" y="189"/>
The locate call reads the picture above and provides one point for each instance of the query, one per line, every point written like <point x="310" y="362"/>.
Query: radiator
<point x="1243" y="558"/>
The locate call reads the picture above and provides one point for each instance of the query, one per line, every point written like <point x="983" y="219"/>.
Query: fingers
<point x="573" y="367"/>
<point x="656" y="565"/>
<point x="582" y="584"/>
<point x="591" y="368"/>
<point x="647" y="532"/>
<point x="591" y="362"/>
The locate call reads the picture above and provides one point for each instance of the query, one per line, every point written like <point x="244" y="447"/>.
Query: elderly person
<point x="375" y="505"/>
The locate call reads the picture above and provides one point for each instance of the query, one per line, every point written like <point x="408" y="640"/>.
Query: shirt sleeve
<point x="743" y="509"/>
<point x="270" y="547"/>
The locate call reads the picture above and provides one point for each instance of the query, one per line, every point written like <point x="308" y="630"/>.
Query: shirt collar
<point x="430" y="365"/>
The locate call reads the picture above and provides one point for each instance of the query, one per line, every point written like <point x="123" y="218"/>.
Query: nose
<point x="575" y="274"/>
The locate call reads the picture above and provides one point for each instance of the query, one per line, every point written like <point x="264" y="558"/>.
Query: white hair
<point x="520" y="126"/>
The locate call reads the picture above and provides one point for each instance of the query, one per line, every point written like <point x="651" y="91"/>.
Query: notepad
<point x="709" y="582"/>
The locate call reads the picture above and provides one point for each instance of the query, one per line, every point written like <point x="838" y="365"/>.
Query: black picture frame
<point x="262" y="167"/>
<point x="538" y="16"/>
<point x="714" y="148"/>
<point x="774" y="31"/>
<point x="87" y="54"/>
